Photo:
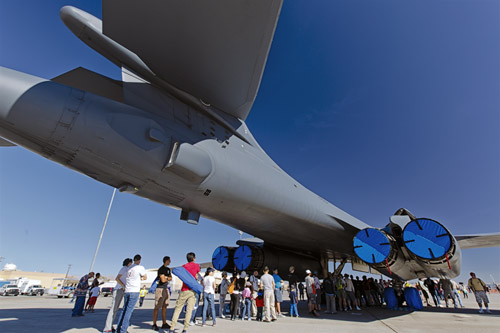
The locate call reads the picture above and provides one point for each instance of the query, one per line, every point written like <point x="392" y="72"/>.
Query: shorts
<point x="278" y="295"/>
<point x="341" y="293"/>
<point x="481" y="297"/>
<point x="162" y="298"/>
<point x="92" y="300"/>
<point x="350" y="296"/>
<point x="312" y="298"/>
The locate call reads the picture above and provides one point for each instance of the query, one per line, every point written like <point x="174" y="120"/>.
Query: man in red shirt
<point x="187" y="295"/>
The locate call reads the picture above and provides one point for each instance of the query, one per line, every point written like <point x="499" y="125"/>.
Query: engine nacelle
<point x="254" y="258"/>
<point x="409" y="247"/>
<point x="379" y="249"/>
<point x="223" y="258"/>
<point x="428" y="240"/>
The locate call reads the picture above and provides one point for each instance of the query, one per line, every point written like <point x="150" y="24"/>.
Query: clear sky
<point x="374" y="105"/>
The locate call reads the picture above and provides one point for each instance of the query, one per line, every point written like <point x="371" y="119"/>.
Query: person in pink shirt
<point x="187" y="295"/>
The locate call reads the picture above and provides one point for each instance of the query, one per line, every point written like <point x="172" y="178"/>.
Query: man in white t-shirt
<point x="135" y="274"/>
<point x="117" y="294"/>
<point x="267" y="281"/>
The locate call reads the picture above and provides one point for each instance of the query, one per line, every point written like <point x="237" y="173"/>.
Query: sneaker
<point x="481" y="311"/>
<point x="357" y="308"/>
<point x="192" y="323"/>
<point x="155" y="328"/>
<point x="488" y="310"/>
<point x="165" y="326"/>
<point x="222" y="316"/>
<point x="203" y="325"/>
<point x="274" y="319"/>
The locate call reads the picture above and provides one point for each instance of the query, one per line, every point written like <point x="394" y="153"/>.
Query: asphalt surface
<point x="51" y="314"/>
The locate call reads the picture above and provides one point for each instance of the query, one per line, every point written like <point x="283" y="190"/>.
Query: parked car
<point x="66" y="292"/>
<point x="106" y="291"/>
<point x="35" y="290"/>
<point x="9" y="289"/>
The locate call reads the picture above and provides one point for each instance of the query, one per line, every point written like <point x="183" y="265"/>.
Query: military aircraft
<point x="173" y="130"/>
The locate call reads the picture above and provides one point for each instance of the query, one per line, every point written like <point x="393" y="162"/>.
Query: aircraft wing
<point x="5" y="143"/>
<point x="215" y="50"/>
<point x="478" y="240"/>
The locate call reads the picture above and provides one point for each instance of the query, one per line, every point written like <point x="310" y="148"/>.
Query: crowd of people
<point x="258" y="296"/>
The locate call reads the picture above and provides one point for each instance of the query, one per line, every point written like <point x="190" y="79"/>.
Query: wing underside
<point x="215" y="50"/>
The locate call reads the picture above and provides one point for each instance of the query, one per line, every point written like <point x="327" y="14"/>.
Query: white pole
<point x="102" y="231"/>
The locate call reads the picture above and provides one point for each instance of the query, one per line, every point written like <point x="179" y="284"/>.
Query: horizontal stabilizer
<point x="5" y="143"/>
<point x="479" y="240"/>
<point x="215" y="50"/>
<point x="83" y="79"/>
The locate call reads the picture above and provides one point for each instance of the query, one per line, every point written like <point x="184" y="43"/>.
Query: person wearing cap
<point x="247" y="301"/>
<point x="311" y="293"/>
<point x="268" y="284"/>
<point x="81" y="293"/>
<point x="254" y="279"/>
<point x="239" y="285"/>
<point x="209" y="295"/>
<point x="224" y="285"/>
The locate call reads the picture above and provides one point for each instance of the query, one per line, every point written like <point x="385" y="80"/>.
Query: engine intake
<point x="428" y="239"/>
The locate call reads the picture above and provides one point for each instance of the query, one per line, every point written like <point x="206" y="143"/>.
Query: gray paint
<point x="148" y="137"/>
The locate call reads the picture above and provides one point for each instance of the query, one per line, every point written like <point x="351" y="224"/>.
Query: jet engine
<point x="409" y="247"/>
<point x="251" y="258"/>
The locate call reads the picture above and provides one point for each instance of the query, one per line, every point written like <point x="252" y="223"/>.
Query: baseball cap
<point x="308" y="271"/>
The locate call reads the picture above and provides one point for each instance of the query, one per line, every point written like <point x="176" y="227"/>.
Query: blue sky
<point x="374" y="105"/>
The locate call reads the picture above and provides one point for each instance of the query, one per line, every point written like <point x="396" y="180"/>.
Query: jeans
<point x="235" y="303"/>
<point x="208" y="300"/>
<point x="293" y="309"/>
<point x="259" y="313"/>
<point x="457" y="295"/>
<point x="247" y="309"/>
<point x="195" y="308"/>
<point x="130" y="300"/>
<point x="115" y="304"/>
<point x="435" y="298"/>
<point x="79" y="304"/>
<point x="222" y="299"/>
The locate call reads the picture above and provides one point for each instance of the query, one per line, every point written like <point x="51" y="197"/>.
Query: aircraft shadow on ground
<point x="51" y="320"/>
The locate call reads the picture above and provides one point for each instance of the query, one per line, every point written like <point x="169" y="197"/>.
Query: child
<point x="259" y="302"/>
<point x="293" y="302"/>
<point x="247" y="301"/>
<point x="142" y="295"/>
<point x="94" y="293"/>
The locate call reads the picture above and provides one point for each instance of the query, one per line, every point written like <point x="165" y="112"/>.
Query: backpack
<point x="231" y="287"/>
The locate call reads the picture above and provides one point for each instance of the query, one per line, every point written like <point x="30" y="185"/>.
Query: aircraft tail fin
<point x="478" y="240"/>
<point x="84" y="79"/>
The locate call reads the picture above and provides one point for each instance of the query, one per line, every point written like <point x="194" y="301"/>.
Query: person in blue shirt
<point x="278" y="291"/>
<point x="293" y="302"/>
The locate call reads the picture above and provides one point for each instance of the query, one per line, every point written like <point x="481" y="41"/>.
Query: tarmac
<point x="52" y="314"/>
